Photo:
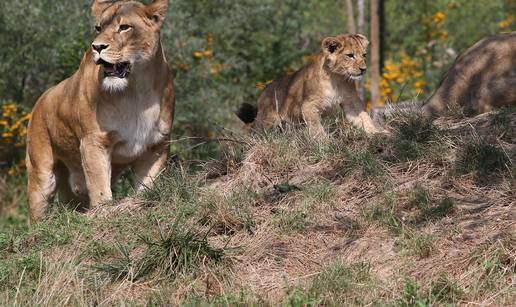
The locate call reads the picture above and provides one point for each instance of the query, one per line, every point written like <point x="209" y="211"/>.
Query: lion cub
<point x="316" y="90"/>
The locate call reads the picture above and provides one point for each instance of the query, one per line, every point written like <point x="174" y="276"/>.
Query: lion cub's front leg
<point x="357" y="116"/>
<point x="96" y="163"/>
<point x="312" y="119"/>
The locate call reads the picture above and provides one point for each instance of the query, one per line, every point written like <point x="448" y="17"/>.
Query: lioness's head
<point x="127" y="37"/>
<point x="346" y="55"/>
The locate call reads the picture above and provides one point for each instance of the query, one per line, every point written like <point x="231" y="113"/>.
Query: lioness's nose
<point x="363" y="70"/>
<point x="99" y="47"/>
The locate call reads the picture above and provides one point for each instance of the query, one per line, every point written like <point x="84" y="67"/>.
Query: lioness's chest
<point x="136" y="121"/>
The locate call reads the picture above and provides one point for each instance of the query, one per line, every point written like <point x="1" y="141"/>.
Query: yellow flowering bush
<point x="437" y="26"/>
<point x="13" y="133"/>
<point x="507" y="22"/>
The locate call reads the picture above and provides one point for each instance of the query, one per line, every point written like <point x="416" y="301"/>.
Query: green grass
<point x="494" y="262"/>
<point x="293" y="221"/>
<point x="227" y="214"/>
<point x="365" y="163"/>
<point x="417" y="244"/>
<point x="482" y="158"/>
<point x="433" y="213"/>
<point x="384" y="214"/>
<point x="441" y="292"/>
<point x="318" y="193"/>
<point x="337" y="285"/>
<point x="415" y="137"/>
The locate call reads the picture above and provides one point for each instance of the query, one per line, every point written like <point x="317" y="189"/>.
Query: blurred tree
<point x="350" y="17"/>
<point x="375" y="53"/>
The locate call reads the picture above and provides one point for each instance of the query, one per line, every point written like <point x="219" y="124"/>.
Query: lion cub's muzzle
<point x="120" y="70"/>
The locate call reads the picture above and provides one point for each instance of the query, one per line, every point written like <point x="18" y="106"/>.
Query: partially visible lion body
<point x="83" y="134"/>
<point x="483" y="78"/>
<point x="316" y="90"/>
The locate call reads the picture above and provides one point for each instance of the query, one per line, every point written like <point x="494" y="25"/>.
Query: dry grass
<point x="283" y="219"/>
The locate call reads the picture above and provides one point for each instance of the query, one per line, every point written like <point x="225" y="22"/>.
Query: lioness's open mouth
<point x="120" y="70"/>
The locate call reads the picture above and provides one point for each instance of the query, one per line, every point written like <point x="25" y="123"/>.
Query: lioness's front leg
<point x="148" y="166"/>
<point x="96" y="163"/>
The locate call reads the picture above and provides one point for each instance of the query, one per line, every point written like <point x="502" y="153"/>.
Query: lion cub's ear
<point x="331" y="44"/>
<point x="363" y="40"/>
<point x="99" y="6"/>
<point x="157" y="11"/>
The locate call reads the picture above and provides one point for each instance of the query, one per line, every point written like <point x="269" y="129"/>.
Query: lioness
<point x="316" y="90"/>
<point x="115" y="112"/>
<point x="482" y="78"/>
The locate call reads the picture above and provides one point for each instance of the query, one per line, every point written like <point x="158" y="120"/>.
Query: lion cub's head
<point x="127" y="38"/>
<point x="346" y="55"/>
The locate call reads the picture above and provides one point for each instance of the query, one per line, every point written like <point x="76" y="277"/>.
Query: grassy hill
<point x="421" y="216"/>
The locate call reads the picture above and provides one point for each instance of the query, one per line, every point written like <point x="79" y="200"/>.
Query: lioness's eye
<point x="364" y="55"/>
<point x="350" y="55"/>
<point x="125" y="27"/>
<point x="98" y="28"/>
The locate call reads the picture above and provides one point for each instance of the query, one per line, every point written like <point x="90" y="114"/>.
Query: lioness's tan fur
<point x="317" y="89"/>
<point x="483" y="78"/>
<point x="89" y="128"/>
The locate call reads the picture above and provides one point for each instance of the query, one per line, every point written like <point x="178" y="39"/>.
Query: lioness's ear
<point x="100" y="6"/>
<point x="363" y="40"/>
<point x="157" y="11"/>
<point x="331" y="44"/>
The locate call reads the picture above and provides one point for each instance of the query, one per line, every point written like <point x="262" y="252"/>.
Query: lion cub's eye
<point x="124" y="27"/>
<point x="350" y="55"/>
<point x="364" y="55"/>
<point x="98" y="29"/>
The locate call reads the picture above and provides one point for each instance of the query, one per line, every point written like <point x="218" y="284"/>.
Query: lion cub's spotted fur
<point x="316" y="90"/>
<point x="115" y="112"/>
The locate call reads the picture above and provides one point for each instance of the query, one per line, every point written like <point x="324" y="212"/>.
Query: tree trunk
<point x="375" y="53"/>
<point x="361" y="30"/>
<point x="350" y="17"/>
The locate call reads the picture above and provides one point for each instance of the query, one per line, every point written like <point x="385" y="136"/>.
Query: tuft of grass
<point x="481" y="157"/>
<point x="419" y="197"/>
<point x="441" y="292"/>
<point x="503" y="123"/>
<point x="494" y="262"/>
<point x="415" y="137"/>
<point x="445" y="290"/>
<point x="411" y="296"/>
<point x="414" y="127"/>
<point x="172" y="186"/>
<point x="123" y="266"/>
<point x="318" y="193"/>
<point x="443" y="209"/>
<point x="293" y="221"/>
<point x="385" y="216"/>
<point x="176" y="251"/>
<point x="366" y="164"/>
<point x="242" y="298"/>
<point x="227" y="213"/>
<point x="337" y="285"/>
<point x="416" y="244"/>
